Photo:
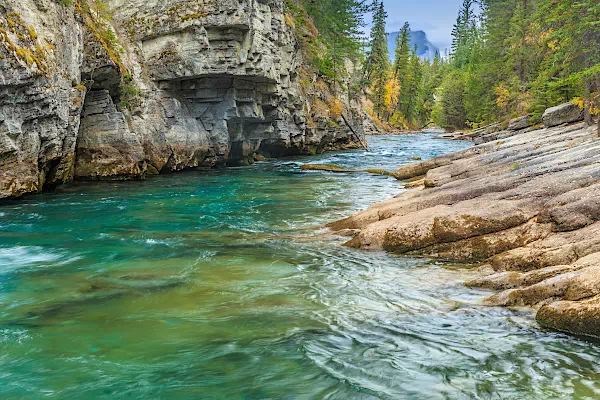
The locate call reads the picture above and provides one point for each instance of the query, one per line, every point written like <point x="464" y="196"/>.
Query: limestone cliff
<point x="122" y="89"/>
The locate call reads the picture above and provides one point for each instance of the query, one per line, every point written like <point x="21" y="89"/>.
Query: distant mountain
<point x="425" y="48"/>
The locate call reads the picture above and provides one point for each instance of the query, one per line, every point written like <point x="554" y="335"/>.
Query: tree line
<point x="508" y="58"/>
<point x="518" y="57"/>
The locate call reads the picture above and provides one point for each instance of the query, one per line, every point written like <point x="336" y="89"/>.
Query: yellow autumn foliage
<point x="592" y="105"/>
<point x="579" y="102"/>
<point x="502" y="96"/>
<point x="336" y="108"/>
<point x="289" y="20"/>
<point x="554" y="44"/>
<point x="392" y="90"/>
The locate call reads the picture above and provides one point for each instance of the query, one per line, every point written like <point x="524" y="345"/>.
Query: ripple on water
<point x="13" y="258"/>
<point x="222" y="285"/>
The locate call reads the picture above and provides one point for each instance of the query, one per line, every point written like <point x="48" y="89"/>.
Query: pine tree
<point x="340" y="25"/>
<point x="463" y="33"/>
<point x="402" y="52"/>
<point x="378" y="63"/>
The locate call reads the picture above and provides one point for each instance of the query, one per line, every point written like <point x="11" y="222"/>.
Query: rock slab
<point x="525" y="207"/>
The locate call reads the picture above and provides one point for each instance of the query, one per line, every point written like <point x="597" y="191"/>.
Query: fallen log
<point x="338" y="169"/>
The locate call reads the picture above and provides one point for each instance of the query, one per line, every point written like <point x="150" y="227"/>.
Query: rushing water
<point x="221" y="285"/>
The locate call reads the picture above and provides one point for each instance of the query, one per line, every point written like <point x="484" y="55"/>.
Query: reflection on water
<point x="221" y="285"/>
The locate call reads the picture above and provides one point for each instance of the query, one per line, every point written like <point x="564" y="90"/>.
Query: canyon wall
<point x="124" y="89"/>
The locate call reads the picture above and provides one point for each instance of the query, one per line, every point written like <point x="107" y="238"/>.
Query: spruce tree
<point x="340" y="25"/>
<point x="402" y="52"/>
<point x="575" y="38"/>
<point x="463" y="33"/>
<point x="378" y="63"/>
<point x="415" y="87"/>
<point x="401" y="65"/>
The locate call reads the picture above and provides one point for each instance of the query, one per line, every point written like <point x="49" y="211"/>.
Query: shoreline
<point x="524" y="205"/>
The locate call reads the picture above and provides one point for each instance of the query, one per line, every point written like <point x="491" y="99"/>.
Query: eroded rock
<point x="525" y="206"/>
<point x="106" y="147"/>
<point x="182" y="84"/>
<point x="39" y="107"/>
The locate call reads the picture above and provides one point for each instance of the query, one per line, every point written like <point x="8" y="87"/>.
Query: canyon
<point x="153" y="87"/>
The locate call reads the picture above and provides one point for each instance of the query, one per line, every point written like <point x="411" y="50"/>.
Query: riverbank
<point x="525" y="205"/>
<point x="223" y="281"/>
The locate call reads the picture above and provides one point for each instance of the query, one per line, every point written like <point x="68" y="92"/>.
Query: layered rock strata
<point x="527" y="207"/>
<point x="39" y="105"/>
<point x="151" y="87"/>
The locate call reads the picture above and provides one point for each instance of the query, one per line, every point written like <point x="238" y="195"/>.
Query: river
<point x="221" y="284"/>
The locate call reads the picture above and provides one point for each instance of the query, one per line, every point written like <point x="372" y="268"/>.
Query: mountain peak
<point x="425" y="48"/>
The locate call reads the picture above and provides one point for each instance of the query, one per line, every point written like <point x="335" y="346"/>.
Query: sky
<point x="435" y="17"/>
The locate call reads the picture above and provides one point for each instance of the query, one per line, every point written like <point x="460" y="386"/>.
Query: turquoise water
<point x="222" y="285"/>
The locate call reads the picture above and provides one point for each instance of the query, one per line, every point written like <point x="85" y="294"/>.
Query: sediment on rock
<point x="525" y="206"/>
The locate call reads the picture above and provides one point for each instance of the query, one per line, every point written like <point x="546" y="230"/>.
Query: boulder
<point x="562" y="114"/>
<point x="519" y="123"/>
<point x="576" y="317"/>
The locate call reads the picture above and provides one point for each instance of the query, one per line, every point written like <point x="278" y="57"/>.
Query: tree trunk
<point x="597" y="99"/>
<point x="587" y="104"/>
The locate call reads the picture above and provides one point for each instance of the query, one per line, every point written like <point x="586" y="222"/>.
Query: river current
<point x="222" y="284"/>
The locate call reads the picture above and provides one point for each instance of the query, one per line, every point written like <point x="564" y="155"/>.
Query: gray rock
<point x="106" y="148"/>
<point x="519" y="123"/>
<point x="562" y="114"/>
<point x="39" y="109"/>
<point x="526" y="206"/>
<point x="211" y="83"/>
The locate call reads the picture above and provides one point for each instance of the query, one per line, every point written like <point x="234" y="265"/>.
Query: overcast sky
<point x="435" y="17"/>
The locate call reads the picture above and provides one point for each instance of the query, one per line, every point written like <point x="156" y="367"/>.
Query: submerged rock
<point x="324" y="167"/>
<point x="525" y="206"/>
<point x="340" y="169"/>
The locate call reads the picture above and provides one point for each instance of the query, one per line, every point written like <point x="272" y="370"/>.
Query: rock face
<point x="519" y="123"/>
<point x="39" y="108"/>
<point x="166" y="85"/>
<point x="106" y="148"/>
<point x="562" y="114"/>
<point x="527" y="207"/>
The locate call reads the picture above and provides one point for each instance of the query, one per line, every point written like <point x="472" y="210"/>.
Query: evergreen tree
<point x="433" y="74"/>
<point x="452" y="113"/>
<point x="575" y="38"/>
<point x="402" y="52"/>
<point x="463" y="33"/>
<point x="401" y="65"/>
<point x="378" y="63"/>
<point x="340" y="25"/>
<point x="415" y="87"/>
